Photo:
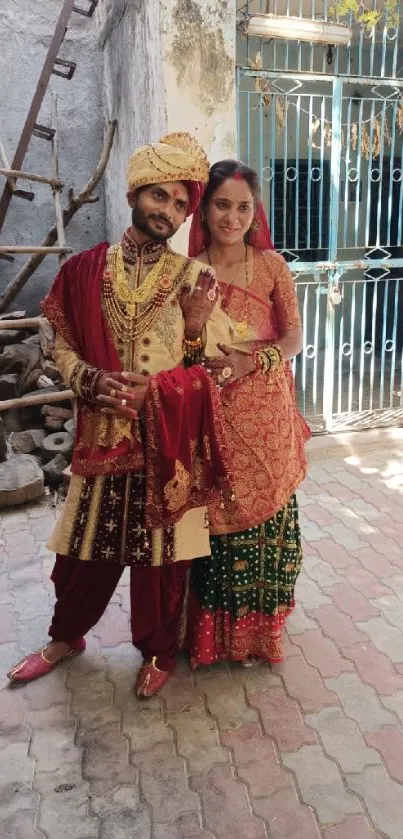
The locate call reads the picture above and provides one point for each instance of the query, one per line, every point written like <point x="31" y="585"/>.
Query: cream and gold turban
<point x="177" y="157"/>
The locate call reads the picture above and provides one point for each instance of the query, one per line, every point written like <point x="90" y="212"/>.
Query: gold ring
<point x="124" y="389"/>
<point x="227" y="373"/>
<point x="112" y="393"/>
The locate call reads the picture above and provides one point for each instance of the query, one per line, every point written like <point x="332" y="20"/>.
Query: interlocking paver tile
<point x="383" y="798"/>
<point x="338" y="626"/>
<point x="342" y="739"/>
<point x="354" y="827"/>
<point x="374" y="667"/>
<point x="387" y="638"/>
<point x="389" y="741"/>
<point x="286" y="817"/>
<point x="321" y="784"/>
<point x="334" y="553"/>
<point x="304" y="683"/>
<point x="309" y="594"/>
<point x="352" y="602"/>
<point x="207" y="759"/>
<point x="225" y="805"/>
<point x="226" y="700"/>
<point x="282" y="719"/>
<point x="256" y="761"/>
<point x="163" y="781"/>
<point x="106" y="758"/>
<point x="360" y="702"/>
<point x="322" y="653"/>
<point x="186" y="827"/>
<point x="391" y="607"/>
<point x="321" y="572"/>
<point x="197" y="739"/>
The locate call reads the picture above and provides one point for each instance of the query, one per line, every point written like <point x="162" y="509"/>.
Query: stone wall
<point x="26" y="27"/>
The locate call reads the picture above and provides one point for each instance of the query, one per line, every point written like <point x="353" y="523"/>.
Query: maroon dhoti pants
<point x="84" y="589"/>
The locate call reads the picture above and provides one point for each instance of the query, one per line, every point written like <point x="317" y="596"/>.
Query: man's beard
<point x="141" y="222"/>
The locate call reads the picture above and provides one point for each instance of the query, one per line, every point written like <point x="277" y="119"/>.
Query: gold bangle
<point x="193" y="344"/>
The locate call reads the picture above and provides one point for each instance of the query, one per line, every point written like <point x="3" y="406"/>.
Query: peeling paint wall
<point x="26" y="28"/>
<point x="133" y="91"/>
<point x="198" y="44"/>
<point x="169" y="64"/>
<point x="198" y="38"/>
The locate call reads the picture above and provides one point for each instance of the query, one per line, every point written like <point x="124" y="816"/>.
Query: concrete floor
<point x="312" y="748"/>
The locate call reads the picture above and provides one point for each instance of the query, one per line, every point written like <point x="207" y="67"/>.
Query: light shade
<point x="298" y="29"/>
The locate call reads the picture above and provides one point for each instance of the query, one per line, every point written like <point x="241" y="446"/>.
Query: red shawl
<point x="185" y="426"/>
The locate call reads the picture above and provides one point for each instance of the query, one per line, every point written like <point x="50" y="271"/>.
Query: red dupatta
<point x="185" y="449"/>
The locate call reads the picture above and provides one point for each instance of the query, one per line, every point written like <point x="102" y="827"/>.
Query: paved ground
<point x="312" y="749"/>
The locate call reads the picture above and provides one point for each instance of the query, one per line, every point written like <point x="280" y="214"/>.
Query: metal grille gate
<point x="324" y="129"/>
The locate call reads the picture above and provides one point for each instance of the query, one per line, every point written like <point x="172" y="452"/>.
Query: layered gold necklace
<point x="123" y="302"/>
<point x="242" y="326"/>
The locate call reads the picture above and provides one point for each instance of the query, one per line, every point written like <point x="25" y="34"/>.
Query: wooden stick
<point x="30" y="176"/>
<point x="56" y="192"/>
<point x="22" y="323"/>
<point x="33" y="249"/>
<point x="36" y="399"/>
<point x="74" y="203"/>
<point x="4" y="159"/>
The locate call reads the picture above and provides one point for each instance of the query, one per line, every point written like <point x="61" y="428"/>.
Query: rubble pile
<point x="36" y="441"/>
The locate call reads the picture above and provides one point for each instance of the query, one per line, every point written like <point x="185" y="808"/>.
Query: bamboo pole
<point x="30" y="176"/>
<point x="4" y="159"/>
<point x="22" y="323"/>
<point x="36" y="399"/>
<point x="56" y="190"/>
<point x="33" y="249"/>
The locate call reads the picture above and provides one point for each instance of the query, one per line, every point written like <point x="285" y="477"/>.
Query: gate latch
<point x="334" y="288"/>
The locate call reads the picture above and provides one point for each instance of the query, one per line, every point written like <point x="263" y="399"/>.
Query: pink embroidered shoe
<point x="36" y="664"/>
<point x="150" y="680"/>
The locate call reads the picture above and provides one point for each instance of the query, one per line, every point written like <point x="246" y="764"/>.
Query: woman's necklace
<point x="241" y="326"/>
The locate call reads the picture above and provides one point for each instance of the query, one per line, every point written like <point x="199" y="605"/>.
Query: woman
<point x="240" y="597"/>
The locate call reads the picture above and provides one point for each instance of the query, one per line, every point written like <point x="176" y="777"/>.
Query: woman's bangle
<point x="269" y="358"/>
<point x="193" y="350"/>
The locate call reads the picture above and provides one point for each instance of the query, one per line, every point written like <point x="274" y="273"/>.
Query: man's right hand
<point x="111" y="391"/>
<point x="122" y="394"/>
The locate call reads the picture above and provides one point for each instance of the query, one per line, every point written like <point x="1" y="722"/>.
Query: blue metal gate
<point x="323" y="127"/>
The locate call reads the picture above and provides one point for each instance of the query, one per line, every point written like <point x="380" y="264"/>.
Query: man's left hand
<point x="126" y="395"/>
<point x="198" y="306"/>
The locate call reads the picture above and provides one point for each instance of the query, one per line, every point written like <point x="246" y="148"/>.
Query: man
<point x="123" y="314"/>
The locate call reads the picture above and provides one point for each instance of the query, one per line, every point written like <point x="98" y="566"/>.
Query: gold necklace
<point x="241" y="327"/>
<point x="160" y="276"/>
<point x="125" y="317"/>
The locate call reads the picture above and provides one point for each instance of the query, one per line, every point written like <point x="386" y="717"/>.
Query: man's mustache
<point x="164" y="219"/>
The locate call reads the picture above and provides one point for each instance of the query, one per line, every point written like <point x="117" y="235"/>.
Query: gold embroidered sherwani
<point x="93" y="525"/>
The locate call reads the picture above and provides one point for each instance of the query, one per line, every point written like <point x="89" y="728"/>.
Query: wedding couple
<point x="189" y="447"/>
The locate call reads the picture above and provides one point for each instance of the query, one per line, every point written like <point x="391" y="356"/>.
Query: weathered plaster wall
<point x="133" y="91"/>
<point x="169" y="65"/>
<point x="198" y="45"/>
<point x="26" y="27"/>
<point x="198" y="42"/>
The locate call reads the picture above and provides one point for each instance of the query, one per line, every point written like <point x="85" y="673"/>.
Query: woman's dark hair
<point x="225" y="169"/>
